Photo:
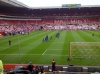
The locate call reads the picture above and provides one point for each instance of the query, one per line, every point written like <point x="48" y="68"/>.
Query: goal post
<point x="70" y="50"/>
<point x="84" y="50"/>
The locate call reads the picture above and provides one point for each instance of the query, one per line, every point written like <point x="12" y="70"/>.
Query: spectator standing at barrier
<point x="35" y="71"/>
<point x="53" y="65"/>
<point x="41" y="69"/>
<point x="9" y="42"/>
<point x="30" y="67"/>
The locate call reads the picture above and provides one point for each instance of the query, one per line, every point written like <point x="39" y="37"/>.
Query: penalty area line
<point x="35" y="54"/>
<point x="45" y="51"/>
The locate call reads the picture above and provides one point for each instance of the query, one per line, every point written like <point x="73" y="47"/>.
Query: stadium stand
<point x="61" y="69"/>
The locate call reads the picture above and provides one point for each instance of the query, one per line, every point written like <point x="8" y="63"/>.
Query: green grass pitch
<point x="31" y="48"/>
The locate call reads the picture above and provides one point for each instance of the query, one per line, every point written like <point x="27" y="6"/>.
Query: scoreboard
<point x="71" y="5"/>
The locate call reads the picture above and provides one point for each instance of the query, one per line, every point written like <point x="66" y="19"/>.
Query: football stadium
<point x="62" y="39"/>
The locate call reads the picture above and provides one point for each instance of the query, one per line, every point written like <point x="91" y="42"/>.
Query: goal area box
<point x="88" y="50"/>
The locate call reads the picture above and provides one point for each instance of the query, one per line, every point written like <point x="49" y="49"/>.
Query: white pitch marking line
<point x="44" y="51"/>
<point x="4" y="48"/>
<point x="50" y="49"/>
<point x="20" y="54"/>
<point x="8" y="47"/>
<point x="35" y="54"/>
<point x="54" y="42"/>
<point x="55" y="49"/>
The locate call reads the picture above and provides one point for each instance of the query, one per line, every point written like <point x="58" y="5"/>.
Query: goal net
<point x="84" y="50"/>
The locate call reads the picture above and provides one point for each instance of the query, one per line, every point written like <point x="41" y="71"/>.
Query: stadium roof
<point x="12" y="3"/>
<point x="58" y="3"/>
<point x="41" y="4"/>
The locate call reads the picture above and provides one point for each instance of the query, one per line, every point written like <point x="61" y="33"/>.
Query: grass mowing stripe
<point x="15" y="40"/>
<point x="86" y="34"/>
<point x="56" y="45"/>
<point x="64" y="50"/>
<point x="15" y="47"/>
<point x="44" y="45"/>
<point x="16" y="36"/>
<point x="96" y="34"/>
<point x="26" y="47"/>
<point x="77" y="38"/>
<point x="69" y="38"/>
<point x="87" y="38"/>
<point x="73" y="36"/>
<point x="37" y="49"/>
<point x="91" y="38"/>
<point x="16" y="50"/>
<point x="96" y="48"/>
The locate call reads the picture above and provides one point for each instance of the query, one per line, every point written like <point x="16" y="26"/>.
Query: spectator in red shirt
<point x="53" y="65"/>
